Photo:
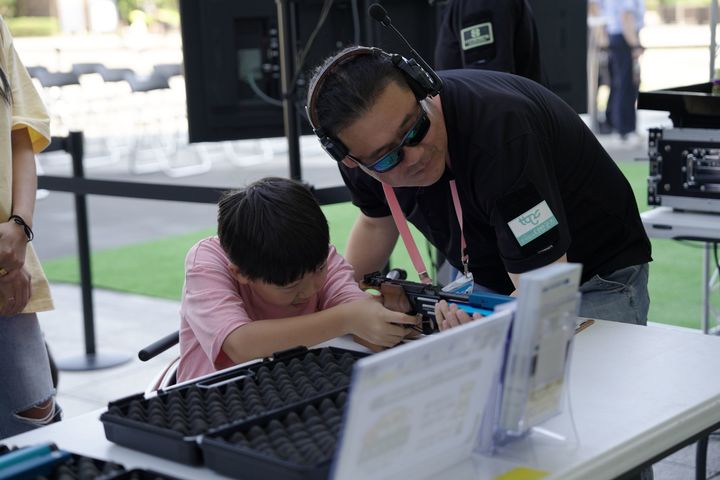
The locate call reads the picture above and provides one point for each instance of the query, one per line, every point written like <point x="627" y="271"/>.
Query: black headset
<point x="422" y="83"/>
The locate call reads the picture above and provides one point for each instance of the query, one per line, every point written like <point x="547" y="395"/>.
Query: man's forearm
<point x="515" y="277"/>
<point x="370" y="244"/>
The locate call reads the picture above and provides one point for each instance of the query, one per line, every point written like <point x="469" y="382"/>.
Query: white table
<point x="637" y="394"/>
<point x="664" y="222"/>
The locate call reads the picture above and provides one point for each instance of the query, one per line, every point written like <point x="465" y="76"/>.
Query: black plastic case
<point x="79" y="467"/>
<point x="295" y="443"/>
<point x="170" y="424"/>
<point x="690" y="106"/>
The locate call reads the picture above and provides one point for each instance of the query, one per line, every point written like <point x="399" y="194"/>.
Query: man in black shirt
<point x="491" y="35"/>
<point x="534" y="185"/>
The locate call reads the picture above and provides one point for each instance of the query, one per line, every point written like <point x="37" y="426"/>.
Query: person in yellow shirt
<point x="27" y="393"/>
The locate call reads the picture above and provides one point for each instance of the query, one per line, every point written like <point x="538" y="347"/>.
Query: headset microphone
<point x="379" y="14"/>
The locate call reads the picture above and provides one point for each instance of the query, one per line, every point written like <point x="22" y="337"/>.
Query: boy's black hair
<point x="351" y="88"/>
<point x="273" y="230"/>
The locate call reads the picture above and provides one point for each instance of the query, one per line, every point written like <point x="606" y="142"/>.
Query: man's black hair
<point x="350" y="89"/>
<point x="273" y="230"/>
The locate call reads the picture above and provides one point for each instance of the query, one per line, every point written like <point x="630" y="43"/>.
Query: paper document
<point x="417" y="408"/>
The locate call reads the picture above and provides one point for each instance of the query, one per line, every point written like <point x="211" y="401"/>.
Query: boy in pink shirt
<point x="269" y="281"/>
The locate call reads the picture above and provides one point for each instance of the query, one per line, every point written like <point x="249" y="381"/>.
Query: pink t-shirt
<point x="214" y="304"/>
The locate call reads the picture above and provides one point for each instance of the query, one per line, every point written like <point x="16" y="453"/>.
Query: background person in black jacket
<point x="491" y="35"/>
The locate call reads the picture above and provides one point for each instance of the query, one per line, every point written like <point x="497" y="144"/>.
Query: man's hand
<point x="449" y="316"/>
<point x="15" y="290"/>
<point x="375" y="324"/>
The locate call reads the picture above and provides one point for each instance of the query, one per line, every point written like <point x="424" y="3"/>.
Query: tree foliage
<point x="150" y="7"/>
<point x="8" y="8"/>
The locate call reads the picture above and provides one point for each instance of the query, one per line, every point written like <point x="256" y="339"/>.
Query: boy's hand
<point x="374" y="323"/>
<point x="449" y="316"/>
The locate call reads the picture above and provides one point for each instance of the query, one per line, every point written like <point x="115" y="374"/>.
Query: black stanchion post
<point x="288" y="34"/>
<point x="75" y="146"/>
<point x="91" y="360"/>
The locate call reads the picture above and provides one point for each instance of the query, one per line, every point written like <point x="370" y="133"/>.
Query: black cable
<point x="702" y="244"/>
<point x="433" y="265"/>
<point x="302" y="55"/>
<point x="262" y="95"/>
<point x="356" y="21"/>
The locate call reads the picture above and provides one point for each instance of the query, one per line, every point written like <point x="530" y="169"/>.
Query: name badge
<point x="531" y="224"/>
<point x="477" y="35"/>
<point x="462" y="285"/>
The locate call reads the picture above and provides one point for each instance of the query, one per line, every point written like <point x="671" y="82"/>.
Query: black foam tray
<point x="296" y="443"/>
<point x="170" y="424"/>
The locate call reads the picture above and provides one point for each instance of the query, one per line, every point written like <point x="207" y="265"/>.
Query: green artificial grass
<point x="156" y="268"/>
<point x="152" y="268"/>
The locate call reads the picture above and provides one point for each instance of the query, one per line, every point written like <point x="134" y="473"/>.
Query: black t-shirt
<point x="489" y="34"/>
<point x="534" y="183"/>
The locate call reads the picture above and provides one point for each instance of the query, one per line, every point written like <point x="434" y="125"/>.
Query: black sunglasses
<point x="413" y="137"/>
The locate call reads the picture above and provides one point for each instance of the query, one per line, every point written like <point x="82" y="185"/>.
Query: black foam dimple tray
<point x="138" y="474"/>
<point x="86" y="468"/>
<point x="79" y="467"/>
<point x="167" y="425"/>
<point x="294" y="443"/>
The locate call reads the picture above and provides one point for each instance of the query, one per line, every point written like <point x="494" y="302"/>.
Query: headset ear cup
<point x="334" y="148"/>
<point x="417" y="89"/>
<point x="416" y="77"/>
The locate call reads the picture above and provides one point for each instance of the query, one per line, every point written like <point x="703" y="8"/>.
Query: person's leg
<point x="27" y="397"/>
<point x="621" y="296"/>
<point x="54" y="373"/>
<point x="624" y="91"/>
<point x="611" y="97"/>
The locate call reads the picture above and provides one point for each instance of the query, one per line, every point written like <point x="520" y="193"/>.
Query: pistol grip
<point x="394" y="298"/>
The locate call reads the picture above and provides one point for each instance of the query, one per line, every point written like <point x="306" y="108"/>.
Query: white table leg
<point x="706" y="289"/>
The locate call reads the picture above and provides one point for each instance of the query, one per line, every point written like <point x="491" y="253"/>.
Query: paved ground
<point x="124" y="322"/>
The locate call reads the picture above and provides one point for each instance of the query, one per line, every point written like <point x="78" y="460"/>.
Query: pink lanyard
<point x="409" y="241"/>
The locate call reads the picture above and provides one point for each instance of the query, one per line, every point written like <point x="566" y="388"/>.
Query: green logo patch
<point x="477" y="35"/>
<point x="533" y="223"/>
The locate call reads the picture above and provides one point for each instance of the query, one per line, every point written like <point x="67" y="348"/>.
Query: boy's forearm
<point x="262" y="338"/>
